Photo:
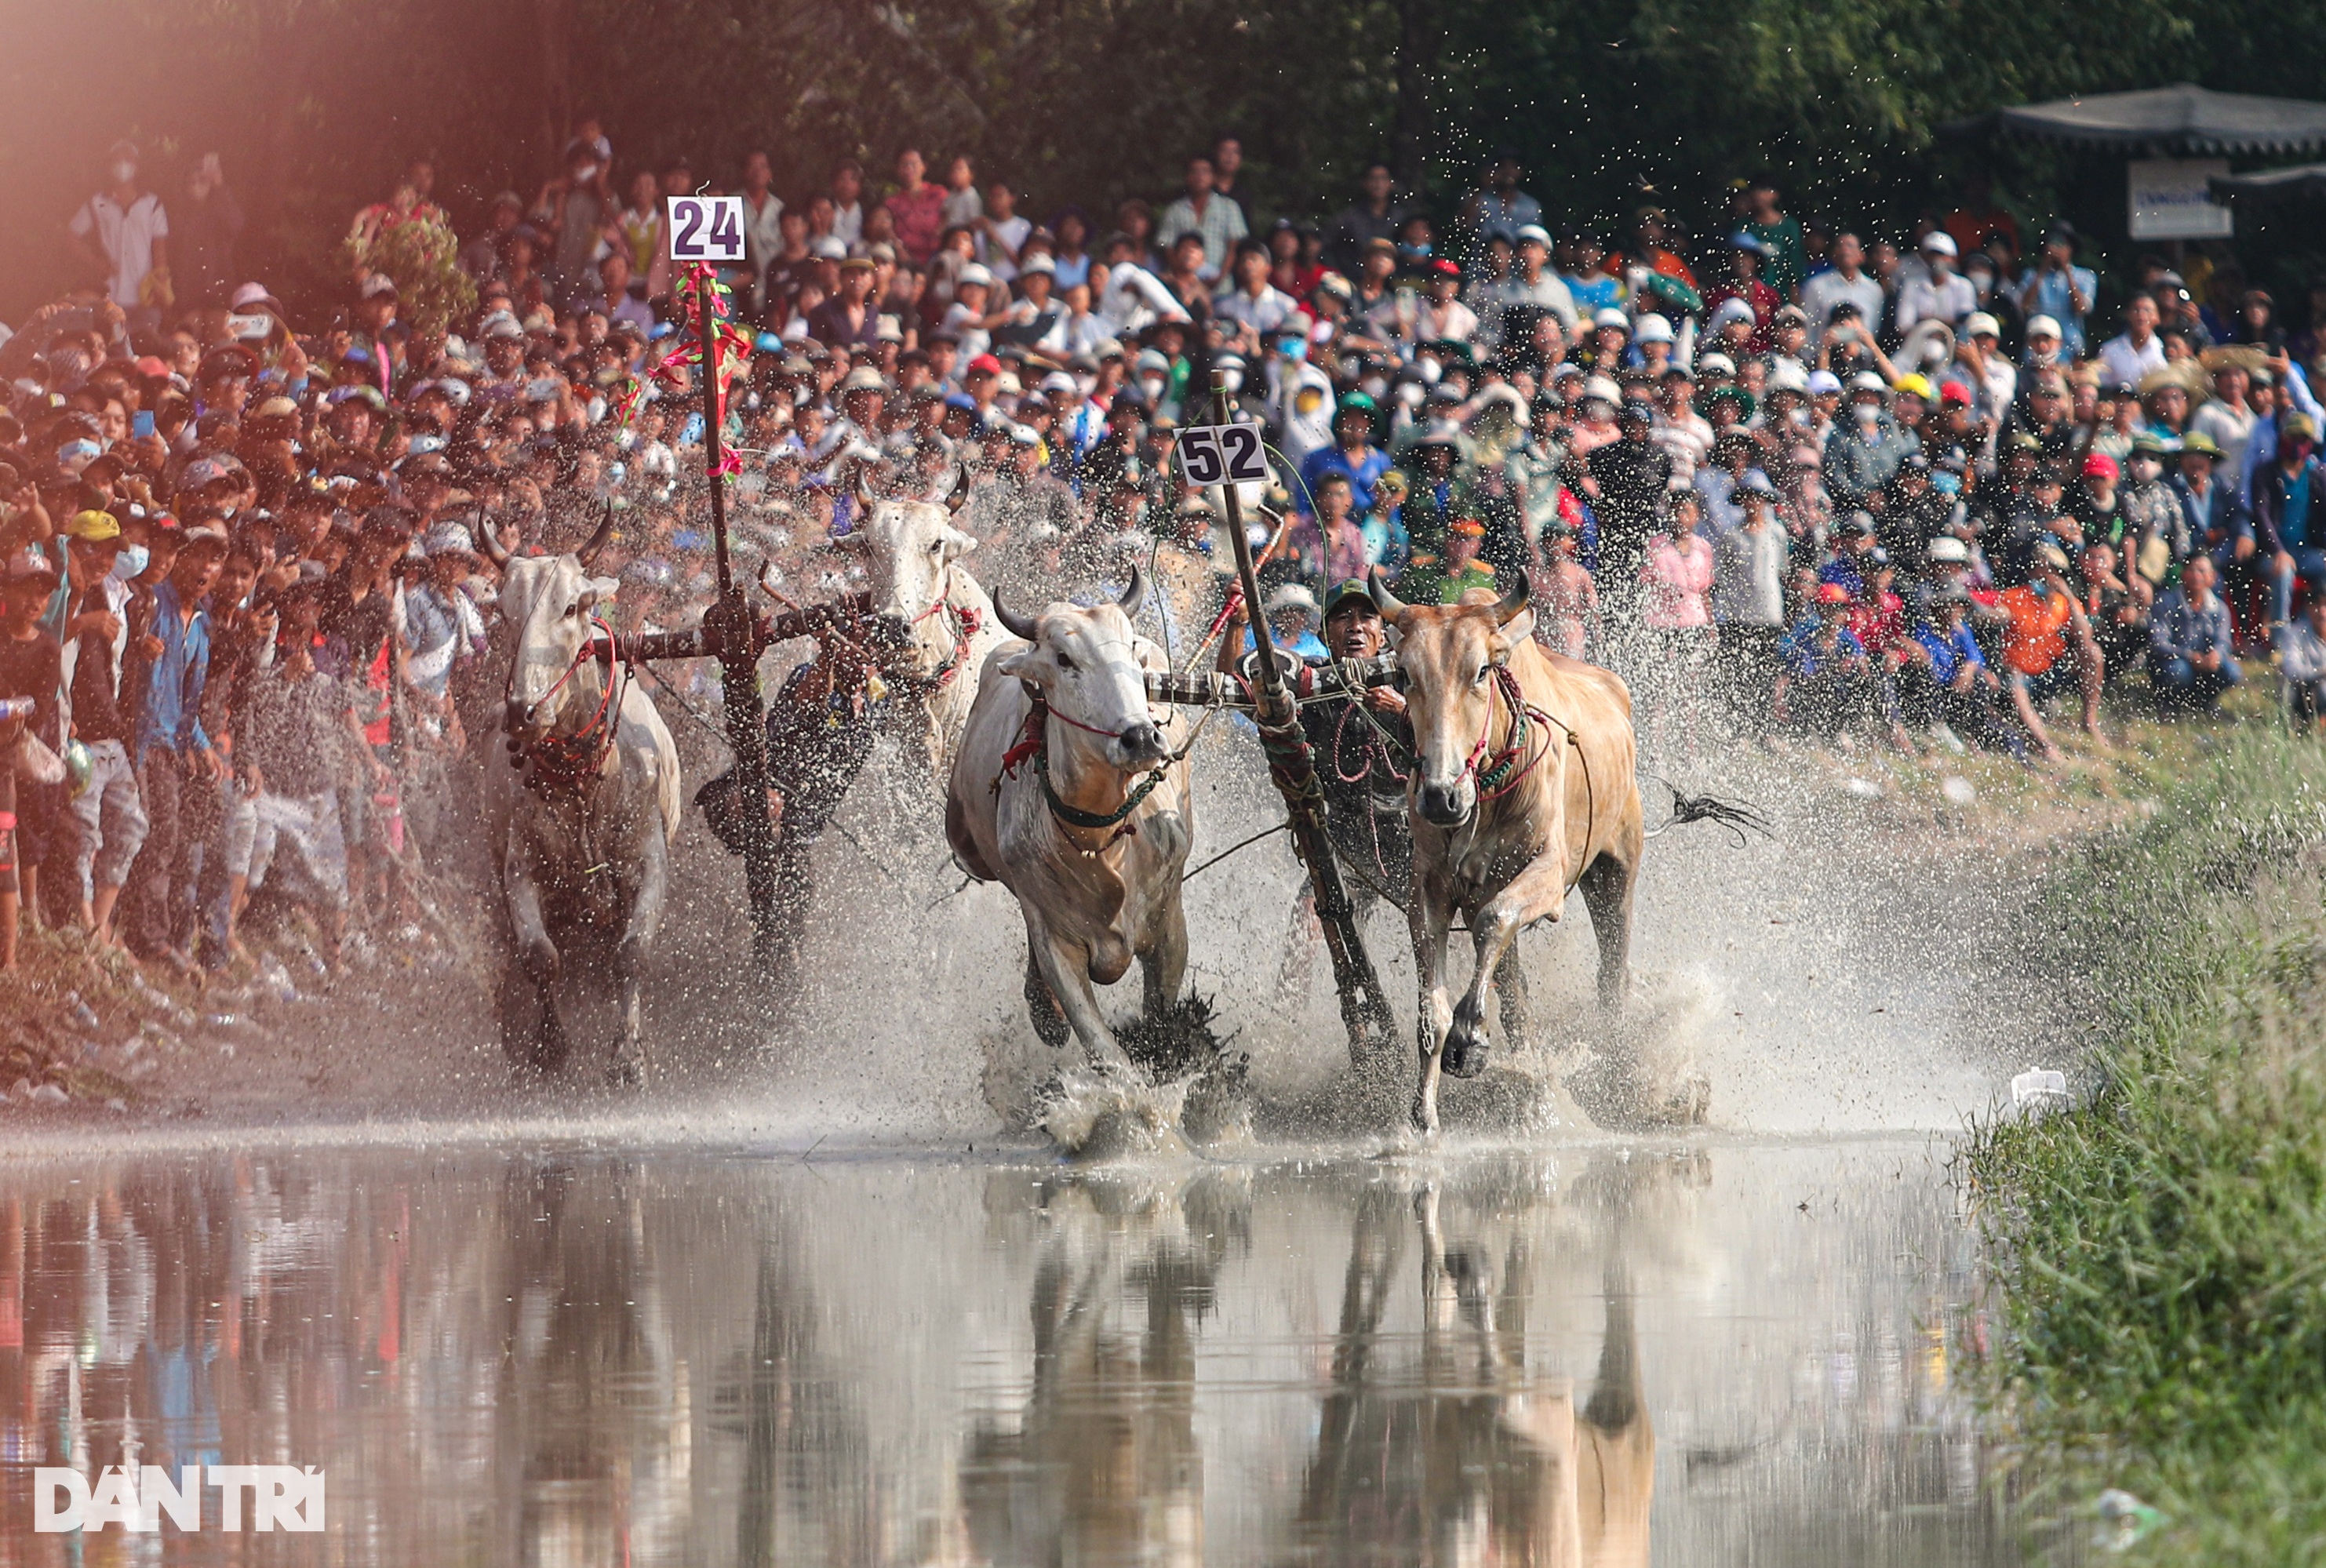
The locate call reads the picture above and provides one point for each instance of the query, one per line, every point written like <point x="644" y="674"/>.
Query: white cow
<point x="934" y="623"/>
<point x="1084" y="814"/>
<point x="584" y="801"/>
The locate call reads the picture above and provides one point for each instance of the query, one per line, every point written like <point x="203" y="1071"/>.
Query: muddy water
<point x="1700" y="1352"/>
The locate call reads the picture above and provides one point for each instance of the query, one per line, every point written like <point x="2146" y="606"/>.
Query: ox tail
<point x="1732" y="817"/>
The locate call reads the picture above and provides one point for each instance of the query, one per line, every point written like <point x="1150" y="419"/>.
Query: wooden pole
<point x="1365" y="1010"/>
<point x="730" y="626"/>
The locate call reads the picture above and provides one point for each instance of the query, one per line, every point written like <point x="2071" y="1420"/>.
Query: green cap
<point x="1342" y="593"/>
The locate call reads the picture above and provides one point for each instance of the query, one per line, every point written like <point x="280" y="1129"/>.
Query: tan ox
<point x="1474" y="1456"/>
<point x="1083" y="814"/>
<point x="1558" y="807"/>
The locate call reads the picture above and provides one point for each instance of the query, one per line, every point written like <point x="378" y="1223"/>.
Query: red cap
<point x="2099" y="466"/>
<point x="987" y="363"/>
<point x="1955" y="392"/>
<point x="1832" y="593"/>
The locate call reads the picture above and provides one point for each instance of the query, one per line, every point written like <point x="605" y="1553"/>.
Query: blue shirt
<point x="171" y="715"/>
<point x="2050" y="297"/>
<point x="1948" y="654"/>
<point x="2294" y="517"/>
<point x="2177" y="629"/>
<point x="1799" y="646"/>
<point x="1593" y="293"/>
<point x="1363" y="475"/>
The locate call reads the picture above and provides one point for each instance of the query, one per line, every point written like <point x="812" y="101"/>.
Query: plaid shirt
<point x="1221" y="224"/>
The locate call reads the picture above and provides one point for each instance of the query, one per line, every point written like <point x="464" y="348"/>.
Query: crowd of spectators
<point x="1787" y="477"/>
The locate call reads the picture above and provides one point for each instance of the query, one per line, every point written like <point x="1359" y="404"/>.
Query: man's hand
<point x="2282" y="561"/>
<point x="215" y="764"/>
<point x="104" y="623"/>
<point x="149" y="646"/>
<point x="2243" y="550"/>
<point x="1384" y="700"/>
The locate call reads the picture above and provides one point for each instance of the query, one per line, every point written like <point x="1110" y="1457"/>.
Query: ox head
<point x="547" y="599"/>
<point x="908" y="548"/>
<point x="1449" y="654"/>
<point x="1088" y="663"/>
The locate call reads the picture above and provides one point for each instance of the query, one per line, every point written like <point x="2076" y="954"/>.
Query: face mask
<point x="1233" y="380"/>
<point x="1430" y="370"/>
<point x="1375" y="386"/>
<point x="1295" y="348"/>
<point x="132" y="561"/>
<point x="1866" y="414"/>
<point x="584" y="174"/>
<point x="1154" y="385"/>
<point x="1946" y="484"/>
<point x="2043" y="589"/>
<point x="124" y="172"/>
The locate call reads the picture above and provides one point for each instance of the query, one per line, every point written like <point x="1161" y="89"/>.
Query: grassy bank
<point x="2162" y="1252"/>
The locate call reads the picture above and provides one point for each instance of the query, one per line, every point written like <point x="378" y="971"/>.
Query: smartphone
<point x="142" y="426"/>
<point x="541" y="389"/>
<point x="251" y="328"/>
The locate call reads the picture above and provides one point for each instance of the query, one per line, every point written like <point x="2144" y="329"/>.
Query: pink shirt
<point x="1676" y="583"/>
<point x="919" y="214"/>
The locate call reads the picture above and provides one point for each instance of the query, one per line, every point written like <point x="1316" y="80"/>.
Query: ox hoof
<point x="628" y="1070"/>
<point x="1464" y="1055"/>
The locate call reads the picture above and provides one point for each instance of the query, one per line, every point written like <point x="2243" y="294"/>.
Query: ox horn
<point x="1389" y="604"/>
<point x="1019" y="626"/>
<point x="956" y="494"/>
<point x="593" y="545"/>
<point x="489" y="542"/>
<point x="1507" y="608"/>
<point x="862" y="487"/>
<point x="1136" y="594"/>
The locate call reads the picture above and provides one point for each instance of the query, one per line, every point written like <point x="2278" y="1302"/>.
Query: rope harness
<point x="560" y="767"/>
<point x="1034" y="746"/>
<point x="963" y="622"/>
<point x="1503" y="771"/>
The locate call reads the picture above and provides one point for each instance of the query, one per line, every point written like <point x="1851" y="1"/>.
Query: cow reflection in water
<point x="596" y="1478"/>
<point x="1103" y="1466"/>
<point x="1472" y="1458"/>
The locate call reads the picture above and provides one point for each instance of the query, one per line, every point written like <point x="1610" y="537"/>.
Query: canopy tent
<point x="2183" y="118"/>
<point x="2294" y="180"/>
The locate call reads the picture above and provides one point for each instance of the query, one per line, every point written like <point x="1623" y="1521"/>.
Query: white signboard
<point x="1213" y="453"/>
<point x="706" y="228"/>
<point x="2167" y="198"/>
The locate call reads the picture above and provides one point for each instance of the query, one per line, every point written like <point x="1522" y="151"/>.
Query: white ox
<point x="584" y="800"/>
<point x="1085" y="815"/>
<point x="934" y="623"/>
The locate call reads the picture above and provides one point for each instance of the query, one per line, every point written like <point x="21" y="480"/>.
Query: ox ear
<point x="855" y="539"/>
<point x="958" y="543"/>
<point x="1026" y="664"/>
<point x="1513" y="632"/>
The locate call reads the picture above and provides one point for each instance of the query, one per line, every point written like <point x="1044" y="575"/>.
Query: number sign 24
<point x="706" y="228"/>
<point x="1214" y="454"/>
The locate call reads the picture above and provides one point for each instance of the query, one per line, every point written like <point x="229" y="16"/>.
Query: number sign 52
<point x="1213" y="454"/>
<point x="706" y="228"/>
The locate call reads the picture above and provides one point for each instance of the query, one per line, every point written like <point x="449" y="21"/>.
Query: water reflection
<point x="1611" y="1357"/>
